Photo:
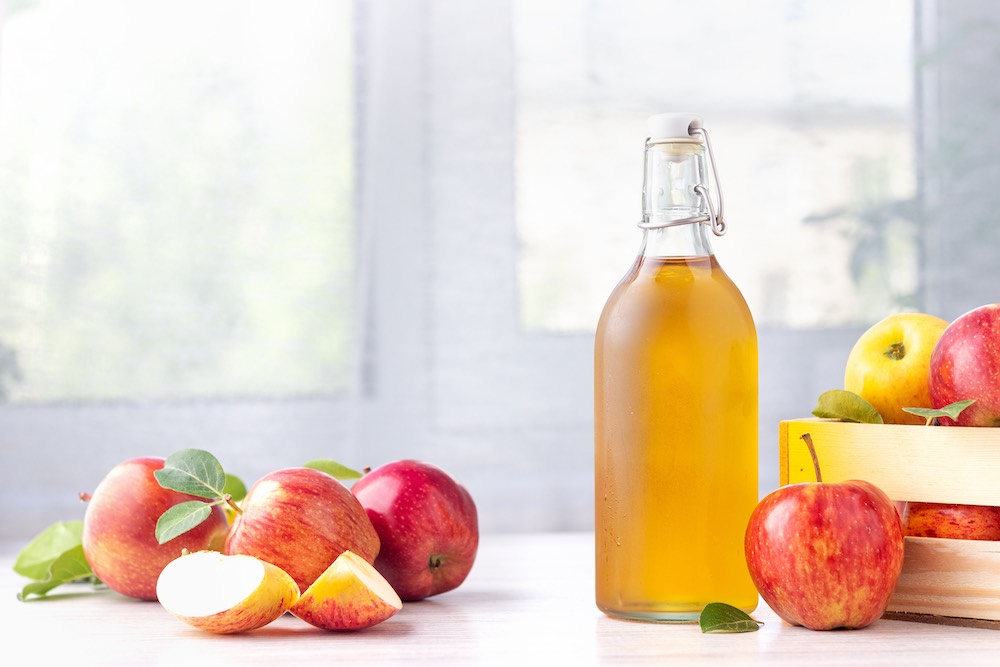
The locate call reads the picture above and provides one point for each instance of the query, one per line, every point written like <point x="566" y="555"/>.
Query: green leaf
<point x="720" y="617"/>
<point x="181" y="518"/>
<point x="36" y="559"/>
<point x="846" y="406"/>
<point x="70" y="566"/>
<point x="952" y="410"/>
<point x="333" y="469"/>
<point x="235" y="488"/>
<point x="195" y="472"/>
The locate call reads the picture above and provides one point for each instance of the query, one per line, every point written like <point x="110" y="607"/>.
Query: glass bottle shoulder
<point x="658" y="289"/>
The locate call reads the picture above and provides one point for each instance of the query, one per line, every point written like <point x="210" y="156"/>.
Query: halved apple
<point x="225" y="593"/>
<point x="349" y="595"/>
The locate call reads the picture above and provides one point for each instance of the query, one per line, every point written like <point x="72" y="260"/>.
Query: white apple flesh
<point x="225" y="594"/>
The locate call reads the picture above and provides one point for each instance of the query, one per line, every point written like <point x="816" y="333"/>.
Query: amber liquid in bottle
<point x="675" y="435"/>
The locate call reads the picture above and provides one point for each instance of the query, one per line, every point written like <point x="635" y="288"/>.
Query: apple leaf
<point x="846" y="406"/>
<point x="235" y="488"/>
<point x="35" y="560"/>
<point x="195" y="472"/>
<point x="71" y="565"/>
<point x="333" y="469"/>
<point x="952" y="410"/>
<point x="719" y="617"/>
<point x="181" y="518"/>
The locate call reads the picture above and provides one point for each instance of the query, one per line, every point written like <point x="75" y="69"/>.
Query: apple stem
<point x="812" y="452"/>
<point x="229" y="499"/>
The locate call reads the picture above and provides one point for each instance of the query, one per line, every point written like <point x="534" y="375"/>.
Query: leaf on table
<point x="35" y="559"/>
<point x="334" y="469"/>
<point x="181" y="518"/>
<point x="719" y="617"/>
<point x="846" y="406"/>
<point x="70" y="566"/>
<point x="195" y="472"/>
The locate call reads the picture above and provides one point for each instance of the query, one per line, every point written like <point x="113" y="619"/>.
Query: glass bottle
<point x="675" y="403"/>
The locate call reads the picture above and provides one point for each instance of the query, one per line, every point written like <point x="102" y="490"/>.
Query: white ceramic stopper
<point x="671" y="125"/>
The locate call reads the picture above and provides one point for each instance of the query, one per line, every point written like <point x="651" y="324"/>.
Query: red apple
<point x="301" y="520"/>
<point x="965" y="365"/>
<point x="959" y="522"/>
<point x="119" y="527"/>
<point x="825" y="555"/>
<point x="427" y="523"/>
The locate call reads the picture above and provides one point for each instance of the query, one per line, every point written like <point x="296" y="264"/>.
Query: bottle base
<point x="654" y="616"/>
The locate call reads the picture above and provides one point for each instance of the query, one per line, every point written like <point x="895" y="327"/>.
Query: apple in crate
<point x="427" y="524"/>
<point x="349" y="595"/>
<point x="225" y="594"/>
<point x="890" y="363"/>
<point x="119" y="528"/>
<point x="965" y="365"/>
<point x="959" y="522"/>
<point x="825" y="555"/>
<point x="301" y="520"/>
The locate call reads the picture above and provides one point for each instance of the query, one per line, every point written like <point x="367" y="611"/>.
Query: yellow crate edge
<point x="916" y="463"/>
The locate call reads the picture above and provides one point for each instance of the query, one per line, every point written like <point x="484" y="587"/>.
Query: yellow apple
<point x="889" y="365"/>
<point x="349" y="595"/>
<point x="225" y="594"/>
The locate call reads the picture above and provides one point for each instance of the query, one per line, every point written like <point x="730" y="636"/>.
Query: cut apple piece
<point x="225" y="593"/>
<point x="349" y="595"/>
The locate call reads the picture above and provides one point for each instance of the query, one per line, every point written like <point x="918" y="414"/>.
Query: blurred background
<point x="369" y="230"/>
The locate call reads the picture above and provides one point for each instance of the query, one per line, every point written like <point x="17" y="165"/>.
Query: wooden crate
<point x="943" y="580"/>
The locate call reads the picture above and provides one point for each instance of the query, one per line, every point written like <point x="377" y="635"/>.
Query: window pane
<point x="176" y="184"/>
<point x="813" y="135"/>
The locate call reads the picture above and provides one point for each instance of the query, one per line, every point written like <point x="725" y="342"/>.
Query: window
<point x="177" y="194"/>
<point x="814" y="138"/>
<point x="369" y="230"/>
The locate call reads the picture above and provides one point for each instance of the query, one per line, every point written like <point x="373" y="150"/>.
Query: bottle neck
<point x="672" y="170"/>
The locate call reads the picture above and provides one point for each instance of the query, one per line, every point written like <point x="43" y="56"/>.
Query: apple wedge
<point x="225" y="594"/>
<point x="349" y="595"/>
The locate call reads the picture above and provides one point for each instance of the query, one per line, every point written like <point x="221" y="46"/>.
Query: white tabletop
<point x="529" y="600"/>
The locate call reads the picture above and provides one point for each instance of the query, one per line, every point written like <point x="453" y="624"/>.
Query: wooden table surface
<point x="528" y="600"/>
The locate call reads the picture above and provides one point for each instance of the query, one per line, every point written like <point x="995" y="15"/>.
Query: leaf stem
<point x="812" y="452"/>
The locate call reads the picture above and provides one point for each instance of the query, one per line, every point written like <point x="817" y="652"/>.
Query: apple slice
<point x="349" y="595"/>
<point x="225" y="593"/>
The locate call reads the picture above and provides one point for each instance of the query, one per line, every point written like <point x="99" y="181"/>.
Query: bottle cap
<point x="676" y="125"/>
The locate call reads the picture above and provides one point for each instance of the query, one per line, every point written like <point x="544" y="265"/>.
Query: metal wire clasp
<point x="715" y="213"/>
<point x="715" y="217"/>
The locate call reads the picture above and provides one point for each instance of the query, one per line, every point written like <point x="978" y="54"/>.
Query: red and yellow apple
<point x="427" y="524"/>
<point x="959" y="522"/>
<point x="225" y="594"/>
<point x="825" y="555"/>
<point x="890" y="365"/>
<point x="349" y="595"/>
<point x="965" y="364"/>
<point x="119" y="526"/>
<point x="301" y="520"/>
